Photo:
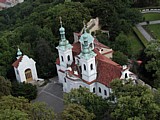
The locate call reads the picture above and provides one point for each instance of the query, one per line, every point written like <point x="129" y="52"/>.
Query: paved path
<point x="144" y="32"/>
<point x="52" y="95"/>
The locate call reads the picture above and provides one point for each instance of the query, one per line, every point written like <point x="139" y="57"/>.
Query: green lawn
<point x="136" y="45"/>
<point x="151" y="16"/>
<point x="154" y="30"/>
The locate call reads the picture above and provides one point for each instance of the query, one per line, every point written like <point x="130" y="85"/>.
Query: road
<point x="52" y="95"/>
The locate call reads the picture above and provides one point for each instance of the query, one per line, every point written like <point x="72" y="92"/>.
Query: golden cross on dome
<point x="60" y="19"/>
<point x="84" y="24"/>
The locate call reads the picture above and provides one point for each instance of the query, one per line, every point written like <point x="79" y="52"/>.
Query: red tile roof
<point x="16" y="63"/>
<point x="2" y="1"/>
<point x="57" y="61"/>
<point x="99" y="45"/>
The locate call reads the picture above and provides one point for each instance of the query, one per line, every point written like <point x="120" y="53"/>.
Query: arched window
<point x="65" y="80"/>
<point x="62" y="58"/>
<point x="80" y="86"/>
<point x="94" y="90"/>
<point x="84" y="66"/>
<point x="68" y="57"/>
<point x="99" y="90"/>
<point x="126" y="76"/>
<point x="91" y="66"/>
<point x="105" y="92"/>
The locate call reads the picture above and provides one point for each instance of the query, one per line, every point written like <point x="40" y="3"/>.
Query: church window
<point x="99" y="90"/>
<point x="68" y="58"/>
<point x="126" y="76"/>
<point x="91" y="66"/>
<point x="94" y="90"/>
<point x="62" y="58"/>
<point x="84" y="67"/>
<point x="105" y="92"/>
<point x="65" y="80"/>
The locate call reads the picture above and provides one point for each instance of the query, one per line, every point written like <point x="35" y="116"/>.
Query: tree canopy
<point x="134" y="101"/>
<point x="20" y="109"/>
<point x="76" y="112"/>
<point x="91" y="101"/>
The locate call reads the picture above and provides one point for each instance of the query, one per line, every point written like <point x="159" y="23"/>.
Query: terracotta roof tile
<point x="2" y="1"/>
<point x="16" y="63"/>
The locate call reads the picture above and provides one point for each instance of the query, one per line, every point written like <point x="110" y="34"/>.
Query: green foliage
<point x="153" y="64"/>
<point x="39" y="111"/>
<point x="76" y="112"/>
<point x="26" y="90"/>
<point x="134" y="101"/>
<point x="18" y="108"/>
<point x="5" y="87"/>
<point x="120" y="58"/>
<point x="151" y="16"/>
<point x="140" y="36"/>
<point x="123" y="44"/>
<point x="13" y="114"/>
<point x="91" y="101"/>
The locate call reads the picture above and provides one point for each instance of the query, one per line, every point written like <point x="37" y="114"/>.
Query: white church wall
<point x="103" y="88"/>
<point x="88" y="74"/>
<point x="17" y="74"/>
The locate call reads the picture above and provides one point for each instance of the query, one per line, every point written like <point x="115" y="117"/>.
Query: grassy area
<point x="151" y="16"/>
<point x="140" y="36"/>
<point x="136" y="45"/>
<point x="154" y="30"/>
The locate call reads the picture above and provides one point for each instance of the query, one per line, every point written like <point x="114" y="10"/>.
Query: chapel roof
<point x="16" y="63"/>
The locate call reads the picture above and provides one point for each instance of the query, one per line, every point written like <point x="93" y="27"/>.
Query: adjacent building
<point x="4" y="4"/>
<point x="25" y="68"/>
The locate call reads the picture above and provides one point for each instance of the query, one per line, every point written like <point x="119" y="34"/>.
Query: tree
<point x="45" y="58"/>
<point x="26" y="90"/>
<point x="20" y="109"/>
<point x="76" y="112"/>
<point x="71" y="12"/>
<point x="123" y="44"/>
<point x="93" y="103"/>
<point x="153" y="52"/>
<point x="5" y="87"/>
<point x="134" y="101"/>
<point x="120" y="58"/>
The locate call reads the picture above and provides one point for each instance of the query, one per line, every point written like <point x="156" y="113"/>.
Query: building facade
<point x="87" y="63"/>
<point x="25" y="68"/>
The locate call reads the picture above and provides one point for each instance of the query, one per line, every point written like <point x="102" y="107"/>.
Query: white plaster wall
<point x="103" y="87"/>
<point x="17" y="74"/>
<point x="27" y="63"/>
<point x="65" y="61"/>
<point x="88" y="74"/>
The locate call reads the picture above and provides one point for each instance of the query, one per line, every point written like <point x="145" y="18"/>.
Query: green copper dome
<point x="19" y="53"/>
<point x="63" y="43"/>
<point x="86" y="36"/>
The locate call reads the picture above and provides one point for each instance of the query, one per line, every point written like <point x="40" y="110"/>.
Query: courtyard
<point x="52" y="95"/>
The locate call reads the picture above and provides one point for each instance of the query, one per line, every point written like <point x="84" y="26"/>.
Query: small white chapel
<point x="25" y="68"/>
<point x="87" y="63"/>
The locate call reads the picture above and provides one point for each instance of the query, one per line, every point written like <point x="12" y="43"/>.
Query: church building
<point x="87" y="63"/>
<point x="25" y="68"/>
